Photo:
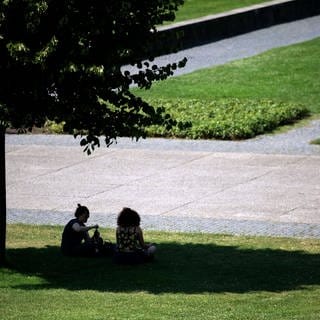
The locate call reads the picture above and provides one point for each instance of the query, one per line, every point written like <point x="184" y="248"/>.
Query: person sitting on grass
<point x="131" y="248"/>
<point x="75" y="237"/>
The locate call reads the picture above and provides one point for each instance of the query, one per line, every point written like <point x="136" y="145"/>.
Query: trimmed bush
<point x="230" y="119"/>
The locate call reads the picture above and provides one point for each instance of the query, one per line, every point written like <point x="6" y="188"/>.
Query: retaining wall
<point x="216" y="27"/>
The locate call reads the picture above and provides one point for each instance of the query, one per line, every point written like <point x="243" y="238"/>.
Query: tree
<point x="63" y="60"/>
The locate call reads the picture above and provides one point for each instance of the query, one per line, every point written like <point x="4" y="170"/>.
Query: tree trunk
<point x="3" y="208"/>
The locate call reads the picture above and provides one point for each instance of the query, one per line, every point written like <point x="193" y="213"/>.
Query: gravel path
<point x="296" y="141"/>
<point x="173" y="223"/>
<point x="245" y="45"/>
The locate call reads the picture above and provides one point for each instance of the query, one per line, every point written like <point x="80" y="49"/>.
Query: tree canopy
<point x="61" y="60"/>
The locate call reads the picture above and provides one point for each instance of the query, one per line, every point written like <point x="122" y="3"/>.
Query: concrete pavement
<point x="180" y="190"/>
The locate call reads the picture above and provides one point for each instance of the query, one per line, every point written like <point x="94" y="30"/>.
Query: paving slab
<point x="179" y="190"/>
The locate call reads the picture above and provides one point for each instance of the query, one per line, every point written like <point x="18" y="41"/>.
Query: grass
<point x="199" y="8"/>
<point x="286" y="76"/>
<point x="289" y="74"/>
<point x="195" y="276"/>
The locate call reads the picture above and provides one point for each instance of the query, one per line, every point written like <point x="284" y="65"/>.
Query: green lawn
<point x="195" y="276"/>
<point x="243" y="98"/>
<point x="199" y="8"/>
<point x="289" y="74"/>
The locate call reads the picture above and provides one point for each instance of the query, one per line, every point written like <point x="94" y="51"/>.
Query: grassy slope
<point x="289" y="74"/>
<point x="199" y="8"/>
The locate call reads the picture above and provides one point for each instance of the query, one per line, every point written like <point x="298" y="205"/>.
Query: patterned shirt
<point x="128" y="239"/>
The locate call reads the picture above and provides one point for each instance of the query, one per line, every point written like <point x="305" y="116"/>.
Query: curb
<point x="212" y="28"/>
<point x="178" y="224"/>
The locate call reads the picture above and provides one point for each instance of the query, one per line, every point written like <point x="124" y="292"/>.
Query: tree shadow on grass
<point x="179" y="268"/>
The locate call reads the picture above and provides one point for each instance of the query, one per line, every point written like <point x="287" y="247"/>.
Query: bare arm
<point x="76" y="227"/>
<point x="140" y="237"/>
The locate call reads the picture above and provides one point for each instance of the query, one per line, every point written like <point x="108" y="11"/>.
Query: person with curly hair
<point x="131" y="247"/>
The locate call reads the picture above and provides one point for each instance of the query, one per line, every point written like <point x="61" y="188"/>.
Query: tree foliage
<point x="63" y="60"/>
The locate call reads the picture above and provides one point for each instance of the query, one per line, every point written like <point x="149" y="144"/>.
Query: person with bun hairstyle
<point x="131" y="247"/>
<point x="75" y="237"/>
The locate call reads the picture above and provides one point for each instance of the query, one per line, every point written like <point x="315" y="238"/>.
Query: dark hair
<point x="128" y="218"/>
<point x="81" y="210"/>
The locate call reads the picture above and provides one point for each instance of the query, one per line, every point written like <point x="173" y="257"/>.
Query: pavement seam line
<point x="214" y="193"/>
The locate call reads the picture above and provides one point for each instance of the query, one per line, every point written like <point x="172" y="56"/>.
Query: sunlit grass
<point x="289" y="74"/>
<point x="286" y="76"/>
<point x="199" y="8"/>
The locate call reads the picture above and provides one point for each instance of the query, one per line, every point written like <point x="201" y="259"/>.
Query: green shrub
<point x="315" y="141"/>
<point x="53" y="127"/>
<point x="231" y="119"/>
